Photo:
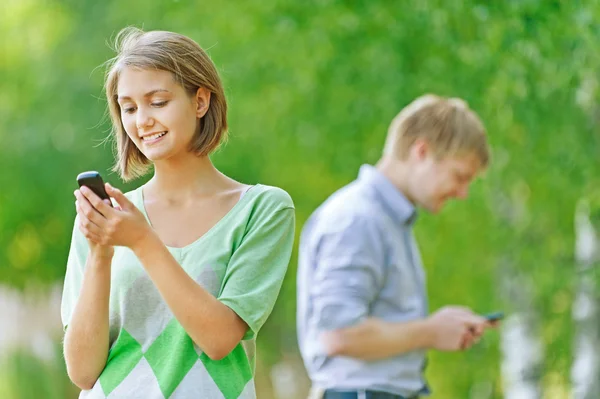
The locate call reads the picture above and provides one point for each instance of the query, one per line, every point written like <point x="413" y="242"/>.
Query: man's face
<point x="436" y="180"/>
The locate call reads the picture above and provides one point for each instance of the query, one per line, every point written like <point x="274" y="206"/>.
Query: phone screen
<point x="494" y="316"/>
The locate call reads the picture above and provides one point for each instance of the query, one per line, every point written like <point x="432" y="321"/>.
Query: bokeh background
<point x="312" y="87"/>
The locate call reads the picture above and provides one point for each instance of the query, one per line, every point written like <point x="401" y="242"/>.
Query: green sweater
<point x="242" y="261"/>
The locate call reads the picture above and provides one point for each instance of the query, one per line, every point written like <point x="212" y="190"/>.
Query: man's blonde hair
<point x="190" y="66"/>
<point x="448" y="125"/>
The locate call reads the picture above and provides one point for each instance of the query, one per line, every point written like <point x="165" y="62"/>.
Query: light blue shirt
<point x="359" y="259"/>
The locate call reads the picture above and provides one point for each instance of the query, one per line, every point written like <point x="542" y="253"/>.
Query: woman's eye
<point x="128" y="110"/>
<point x="159" y="103"/>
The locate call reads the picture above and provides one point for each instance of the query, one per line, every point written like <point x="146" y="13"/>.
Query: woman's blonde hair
<point x="190" y="66"/>
<point x="447" y="124"/>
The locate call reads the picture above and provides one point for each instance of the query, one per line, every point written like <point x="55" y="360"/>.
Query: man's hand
<point x="454" y="328"/>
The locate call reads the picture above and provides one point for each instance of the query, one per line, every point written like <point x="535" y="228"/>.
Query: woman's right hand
<point x="86" y="342"/>
<point x="101" y="251"/>
<point x="87" y="215"/>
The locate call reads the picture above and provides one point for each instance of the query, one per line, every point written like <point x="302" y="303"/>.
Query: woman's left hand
<point x="122" y="226"/>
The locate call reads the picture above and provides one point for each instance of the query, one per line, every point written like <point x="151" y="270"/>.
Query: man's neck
<point x="397" y="172"/>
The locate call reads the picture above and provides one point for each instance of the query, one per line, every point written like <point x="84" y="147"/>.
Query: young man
<point x="363" y="323"/>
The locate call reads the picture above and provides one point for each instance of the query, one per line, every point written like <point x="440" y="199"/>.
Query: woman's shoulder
<point x="270" y="196"/>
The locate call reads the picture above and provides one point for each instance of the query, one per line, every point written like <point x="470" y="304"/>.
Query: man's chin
<point x="435" y="207"/>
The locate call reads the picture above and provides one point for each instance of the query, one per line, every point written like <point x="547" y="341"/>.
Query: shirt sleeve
<point x="349" y="272"/>
<point x="78" y="253"/>
<point x="256" y="269"/>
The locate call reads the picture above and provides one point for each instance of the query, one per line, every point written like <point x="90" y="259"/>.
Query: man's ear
<point x="420" y="149"/>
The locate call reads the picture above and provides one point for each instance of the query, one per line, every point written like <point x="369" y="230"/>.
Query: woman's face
<point x="157" y="113"/>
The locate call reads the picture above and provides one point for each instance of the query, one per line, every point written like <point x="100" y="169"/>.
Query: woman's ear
<point x="202" y="101"/>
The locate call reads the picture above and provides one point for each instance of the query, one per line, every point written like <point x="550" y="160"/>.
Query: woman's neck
<point x="186" y="177"/>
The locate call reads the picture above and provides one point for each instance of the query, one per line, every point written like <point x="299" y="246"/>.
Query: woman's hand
<point x="88" y="228"/>
<point x="104" y="225"/>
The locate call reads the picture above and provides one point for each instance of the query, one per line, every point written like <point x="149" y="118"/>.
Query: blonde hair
<point x="190" y="66"/>
<point x="448" y="125"/>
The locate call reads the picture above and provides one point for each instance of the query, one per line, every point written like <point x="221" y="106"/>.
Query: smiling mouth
<point x="154" y="136"/>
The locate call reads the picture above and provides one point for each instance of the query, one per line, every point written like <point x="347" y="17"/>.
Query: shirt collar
<point x="397" y="205"/>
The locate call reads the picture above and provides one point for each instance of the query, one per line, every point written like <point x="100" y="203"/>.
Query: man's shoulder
<point x="351" y="207"/>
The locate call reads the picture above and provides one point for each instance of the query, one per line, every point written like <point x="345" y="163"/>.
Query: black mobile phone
<point x="496" y="316"/>
<point x="94" y="182"/>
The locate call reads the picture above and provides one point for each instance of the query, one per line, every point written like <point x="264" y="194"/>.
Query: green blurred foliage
<point x="312" y="87"/>
<point x="25" y="376"/>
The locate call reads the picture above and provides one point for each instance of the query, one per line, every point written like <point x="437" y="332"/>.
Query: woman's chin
<point x="156" y="156"/>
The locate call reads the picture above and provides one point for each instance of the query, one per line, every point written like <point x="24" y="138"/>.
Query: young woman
<point x="165" y="292"/>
